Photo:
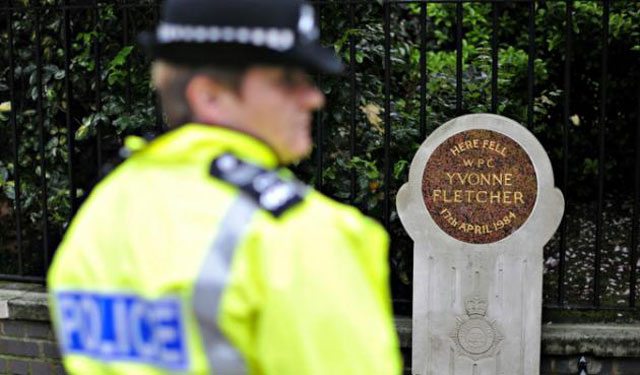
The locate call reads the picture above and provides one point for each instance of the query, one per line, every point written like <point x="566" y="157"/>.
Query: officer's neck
<point x="242" y="130"/>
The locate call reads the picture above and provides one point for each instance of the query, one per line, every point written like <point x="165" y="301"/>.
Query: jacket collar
<point x="199" y="142"/>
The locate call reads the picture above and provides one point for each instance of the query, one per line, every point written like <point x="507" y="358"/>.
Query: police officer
<point x="201" y="254"/>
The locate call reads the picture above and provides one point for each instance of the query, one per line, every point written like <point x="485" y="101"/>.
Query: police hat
<point x="239" y="33"/>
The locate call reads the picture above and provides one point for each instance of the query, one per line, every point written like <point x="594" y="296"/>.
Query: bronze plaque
<point x="479" y="186"/>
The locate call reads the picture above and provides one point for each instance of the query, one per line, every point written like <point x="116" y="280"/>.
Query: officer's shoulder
<point x="277" y="192"/>
<point x="116" y="169"/>
<point x="335" y="211"/>
<point x="321" y="210"/>
<point x="271" y="190"/>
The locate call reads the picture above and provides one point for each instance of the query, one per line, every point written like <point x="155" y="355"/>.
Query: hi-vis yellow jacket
<point x="198" y="255"/>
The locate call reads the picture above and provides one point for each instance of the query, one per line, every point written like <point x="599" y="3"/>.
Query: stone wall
<point x="27" y="344"/>
<point x="28" y="348"/>
<point x="609" y="349"/>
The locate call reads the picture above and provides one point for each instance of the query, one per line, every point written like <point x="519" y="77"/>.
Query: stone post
<point x="480" y="205"/>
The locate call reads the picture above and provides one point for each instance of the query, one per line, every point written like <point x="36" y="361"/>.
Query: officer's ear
<point x="210" y="101"/>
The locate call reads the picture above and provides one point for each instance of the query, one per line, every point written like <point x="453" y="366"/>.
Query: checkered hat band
<point x="279" y="39"/>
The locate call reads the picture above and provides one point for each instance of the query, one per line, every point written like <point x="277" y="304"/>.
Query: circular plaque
<point x="476" y="336"/>
<point x="479" y="186"/>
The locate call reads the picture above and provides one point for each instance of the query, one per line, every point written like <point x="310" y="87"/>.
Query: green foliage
<point x="121" y="72"/>
<point x="368" y="163"/>
<point x="120" y="68"/>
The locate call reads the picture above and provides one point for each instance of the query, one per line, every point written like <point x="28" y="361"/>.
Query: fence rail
<point x="66" y="11"/>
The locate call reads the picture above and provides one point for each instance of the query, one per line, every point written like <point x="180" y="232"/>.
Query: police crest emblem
<point x="475" y="336"/>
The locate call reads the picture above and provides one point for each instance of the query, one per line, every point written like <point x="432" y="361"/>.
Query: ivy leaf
<point x="121" y="57"/>
<point x="114" y="71"/>
<point x="372" y="111"/>
<point x="87" y="129"/>
<point x="4" y="175"/>
<point x="575" y="120"/>
<point x="9" y="190"/>
<point x="399" y="167"/>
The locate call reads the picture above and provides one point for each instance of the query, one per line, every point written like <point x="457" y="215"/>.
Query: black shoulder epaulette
<point x="269" y="190"/>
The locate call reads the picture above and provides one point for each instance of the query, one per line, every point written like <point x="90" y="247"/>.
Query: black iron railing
<point x="86" y="16"/>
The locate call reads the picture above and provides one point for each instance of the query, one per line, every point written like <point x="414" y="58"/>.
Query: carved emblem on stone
<point x="475" y="336"/>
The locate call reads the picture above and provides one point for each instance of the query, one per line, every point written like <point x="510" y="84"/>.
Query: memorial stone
<point x="480" y="205"/>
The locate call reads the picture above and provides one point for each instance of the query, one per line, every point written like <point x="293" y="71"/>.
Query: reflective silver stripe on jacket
<point x="223" y="358"/>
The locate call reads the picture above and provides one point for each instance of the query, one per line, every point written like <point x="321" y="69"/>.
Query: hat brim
<point x="318" y="59"/>
<point x="312" y="56"/>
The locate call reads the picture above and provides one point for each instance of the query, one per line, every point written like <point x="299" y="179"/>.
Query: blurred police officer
<point x="202" y="255"/>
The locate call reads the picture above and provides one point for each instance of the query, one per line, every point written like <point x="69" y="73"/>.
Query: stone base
<point x="561" y="365"/>
<point x="610" y="349"/>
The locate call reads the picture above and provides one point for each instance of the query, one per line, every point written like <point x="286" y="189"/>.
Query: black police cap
<point x="239" y="33"/>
